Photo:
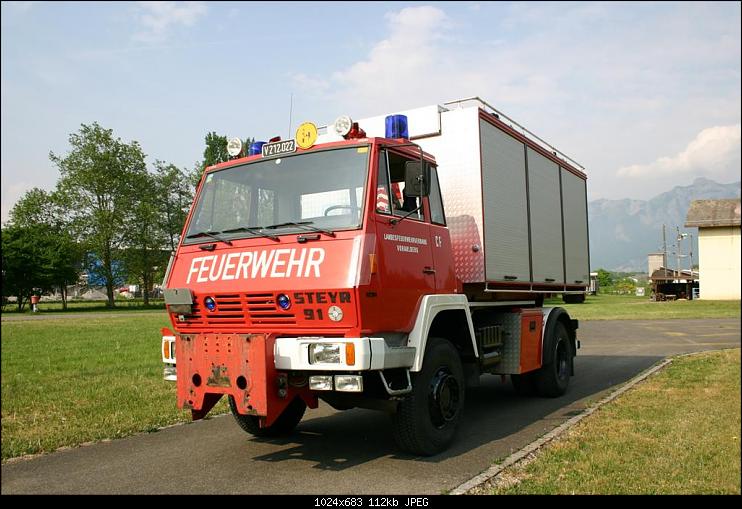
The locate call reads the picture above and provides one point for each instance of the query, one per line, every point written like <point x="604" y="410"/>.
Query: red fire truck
<point x="386" y="264"/>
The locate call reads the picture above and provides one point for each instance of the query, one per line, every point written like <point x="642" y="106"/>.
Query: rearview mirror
<point x="416" y="181"/>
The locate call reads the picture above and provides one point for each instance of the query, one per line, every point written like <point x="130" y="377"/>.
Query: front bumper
<point x="293" y="354"/>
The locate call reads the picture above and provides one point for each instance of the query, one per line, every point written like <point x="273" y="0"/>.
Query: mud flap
<point x="239" y="365"/>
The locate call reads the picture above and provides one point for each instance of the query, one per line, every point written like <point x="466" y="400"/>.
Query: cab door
<point x="404" y="248"/>
<point x="445" y="275"/>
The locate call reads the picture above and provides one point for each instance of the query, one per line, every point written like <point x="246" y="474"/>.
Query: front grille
<point x="238" y="309"/>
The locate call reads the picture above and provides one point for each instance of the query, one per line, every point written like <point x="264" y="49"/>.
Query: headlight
<point x="324" y="353"/>
<point x="349" y="383"/>
<point x="320" y="383"/>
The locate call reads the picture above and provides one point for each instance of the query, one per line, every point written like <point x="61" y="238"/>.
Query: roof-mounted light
<point x="342" y="125"/>
<point x="234" y="147"/>
<point x="396" y="127"/>
<point x="256" y="148"/>
<point x="355" y="132"/>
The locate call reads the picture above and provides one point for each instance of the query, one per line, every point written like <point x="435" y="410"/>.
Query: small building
<point x="669" y="284"/>
<point x="719" y="252"/>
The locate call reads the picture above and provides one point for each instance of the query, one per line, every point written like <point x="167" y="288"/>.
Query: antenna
<point x="291" y="111"/>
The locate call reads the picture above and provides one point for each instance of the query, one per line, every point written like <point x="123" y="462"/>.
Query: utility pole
<point x="664" y="247"/>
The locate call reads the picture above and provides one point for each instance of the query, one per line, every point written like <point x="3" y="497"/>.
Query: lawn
<point x="77" y="306"/>
<point x="676" y="433"/>
<point x="70" y="381"/>
<point x="628" y="307"/>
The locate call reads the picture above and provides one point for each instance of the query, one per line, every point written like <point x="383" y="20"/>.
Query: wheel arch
<point x="445" y="316"/>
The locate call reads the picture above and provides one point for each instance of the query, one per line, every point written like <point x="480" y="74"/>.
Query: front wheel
<point x="284" y="425"/>
<point x="427" y="419"/>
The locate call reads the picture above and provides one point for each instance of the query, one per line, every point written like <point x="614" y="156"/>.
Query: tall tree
<point x="63" y="255"/>
<point x="145" y="239"/>
<point x="215" y="152"/>
<point x="99" y="188"/>
<point x="175" y="196"/>
<point x="26" y="261"/>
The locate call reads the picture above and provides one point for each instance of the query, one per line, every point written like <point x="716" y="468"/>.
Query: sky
<point x="644" y="95"/>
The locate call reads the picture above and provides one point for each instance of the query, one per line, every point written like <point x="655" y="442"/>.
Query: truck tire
<point x="284" y="425"/>
<point x="573" y="298"/>
<point x="427" y="419"/>
<point x="553" y="378"/>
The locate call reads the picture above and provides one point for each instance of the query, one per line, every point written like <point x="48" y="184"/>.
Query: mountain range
<point x="624" y="232"/>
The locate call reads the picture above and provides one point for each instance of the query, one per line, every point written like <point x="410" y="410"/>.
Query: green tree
<point x="604" y="278"/>
<point x="144" y="238"/>
<point x="174" y="199"/>
<point x="63" y="255"/>
<point x="99" y="189"/>
<point x="36" y="206"/>
<point x="215" y="152"/>
<point x="26" y="262"/>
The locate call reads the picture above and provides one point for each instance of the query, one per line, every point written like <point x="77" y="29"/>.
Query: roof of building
<point x="664" y="274"/>
<point x="709" y="213"/>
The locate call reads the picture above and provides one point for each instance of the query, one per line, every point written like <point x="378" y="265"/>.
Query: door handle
<point x="429" y="270"/>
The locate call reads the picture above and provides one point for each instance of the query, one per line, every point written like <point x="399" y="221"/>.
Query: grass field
<point x="628" y="307"/>
<point x="77" y="306"/>
<point x="70" y="381"/>
<point x="676" y="433"/>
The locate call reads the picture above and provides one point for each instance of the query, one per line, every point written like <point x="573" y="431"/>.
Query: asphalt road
<point x="352" y="452"/>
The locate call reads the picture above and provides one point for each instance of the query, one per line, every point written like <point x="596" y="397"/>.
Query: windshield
<point x="324" y="189"/>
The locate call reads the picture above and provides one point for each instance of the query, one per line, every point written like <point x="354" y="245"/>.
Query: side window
<point x="400" y="202"/>
<point x="436" y="204"/>
<point x="383" y="203"/>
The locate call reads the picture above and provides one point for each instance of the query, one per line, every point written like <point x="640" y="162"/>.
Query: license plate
<point x="278" y="148"/>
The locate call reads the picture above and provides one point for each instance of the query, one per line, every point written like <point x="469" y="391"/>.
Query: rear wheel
<point x="553" y="378"/>
<point x="284" y="425"/>
<point x="427" y="419"/>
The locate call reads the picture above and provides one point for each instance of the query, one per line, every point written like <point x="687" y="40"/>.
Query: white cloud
<point x="157" y="18"/>
<point x="715" y="151"/>
<point x="397" y="66"/>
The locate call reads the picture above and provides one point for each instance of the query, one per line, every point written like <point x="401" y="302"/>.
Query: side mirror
<point x="416" y="181"/>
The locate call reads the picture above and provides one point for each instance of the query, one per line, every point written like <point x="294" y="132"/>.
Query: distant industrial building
<point x="719" y="248"/>
<point x="656" y="261"/>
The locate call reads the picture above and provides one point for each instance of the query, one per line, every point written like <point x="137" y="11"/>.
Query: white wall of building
<point x="719" y="254"/>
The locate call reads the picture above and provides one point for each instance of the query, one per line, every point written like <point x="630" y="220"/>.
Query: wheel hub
<point x="443" y="398"/>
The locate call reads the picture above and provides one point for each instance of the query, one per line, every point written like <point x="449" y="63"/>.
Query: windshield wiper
<point x="213" y="235"/>
<point x="304" y="225"/>
<point x="255" y="230"/>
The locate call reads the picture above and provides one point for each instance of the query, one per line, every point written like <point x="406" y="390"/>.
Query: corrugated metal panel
<point x="506" y="247"/>
<point x="575" y="229"/>
<point x="546" y="219"/>
<point x="456" y="151"/>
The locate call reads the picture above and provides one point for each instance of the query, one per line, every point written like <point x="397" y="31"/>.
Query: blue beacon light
<point x="396" y="127"/>
<point x="256" y="147"/>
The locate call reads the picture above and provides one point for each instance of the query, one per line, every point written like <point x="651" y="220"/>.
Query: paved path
<point x="353" y="452"/>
